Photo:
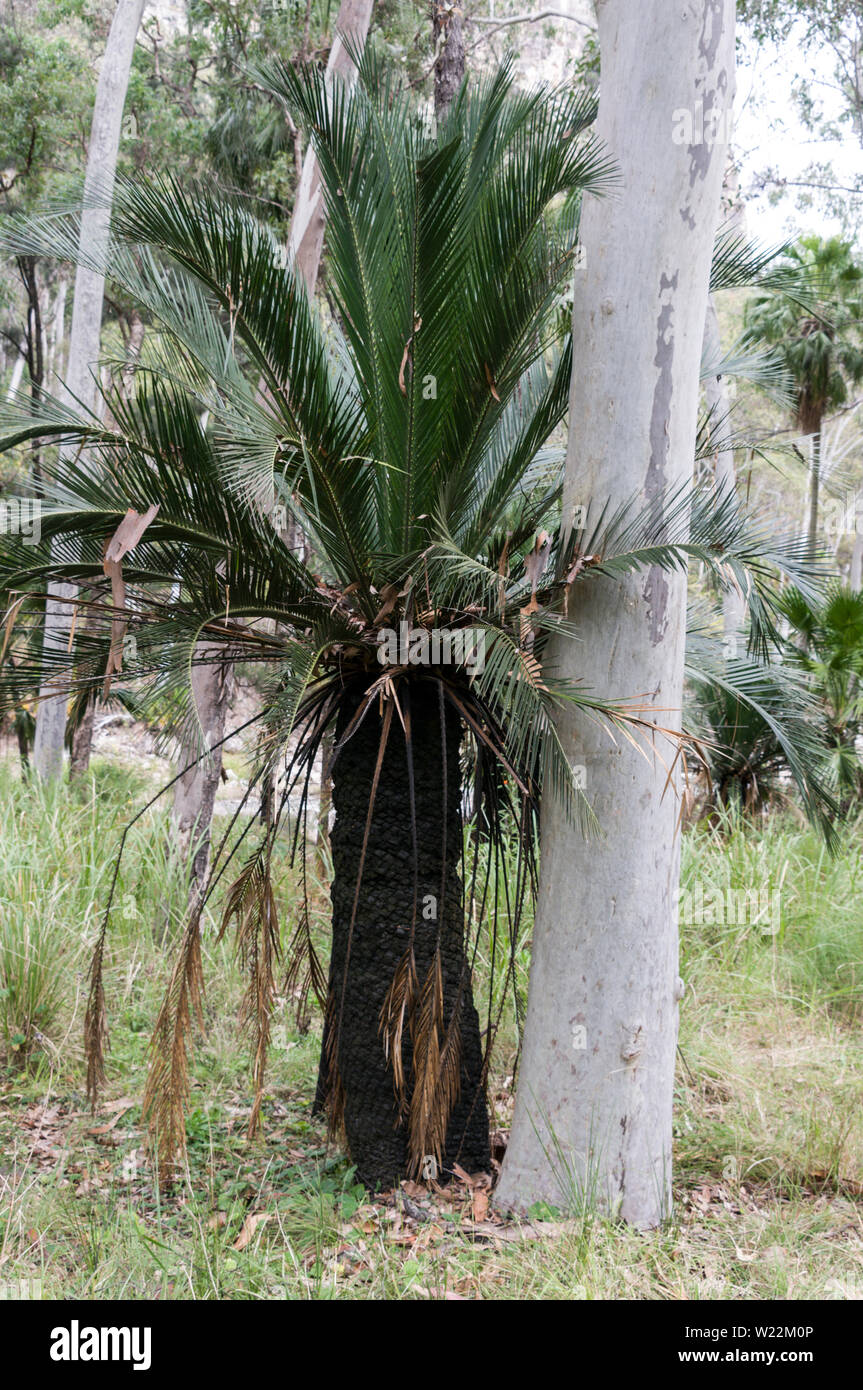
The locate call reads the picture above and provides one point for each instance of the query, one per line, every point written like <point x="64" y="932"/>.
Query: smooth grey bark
<point x="306" y="236"/>
<point x="15" y="379"/>
<point x="719" y="407"/>
<point x="82" y="735"/>
<point x="855" y="579"/>
<point x="195" y="793"/>
<point x="306" y="244"/>
<point x="86" y="330"/>
<point x="594" y="1103"/>
<point x="813" y="493"/>
<point x="58" y="331"/>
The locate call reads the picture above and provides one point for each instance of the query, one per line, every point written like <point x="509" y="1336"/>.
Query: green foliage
<point x="761" y="727"/>
<point x="817" y="333"/>
<point x="828" y="647"/>
<point x="46" y="92"/>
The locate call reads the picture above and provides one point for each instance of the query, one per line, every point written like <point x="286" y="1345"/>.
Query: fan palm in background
<point x="407" y="436"/>
<point x="816" y="330"/>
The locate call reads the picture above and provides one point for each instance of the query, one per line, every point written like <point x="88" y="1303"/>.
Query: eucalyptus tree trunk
<point x="719" y="406"/>
<point x="449" y="66"/>
<point x="85" y="332"/>
<point x="306" y="237"/>
<point x="812" y="492"/>
<point x="594" y="1103"/>
<point x="372" y="930"/>
<point x="195" y="793"/>
<point x="82" y="734"/>
<point x="855" y="578"/>
<point x="17" y="374"/>
<point x="306" y="244"/>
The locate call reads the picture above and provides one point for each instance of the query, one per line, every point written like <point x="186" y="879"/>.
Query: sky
<point x="769" y="133"/>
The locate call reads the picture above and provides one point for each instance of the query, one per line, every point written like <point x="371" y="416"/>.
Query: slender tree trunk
<point x="448" y="35"/>
<point x="195" y="793"/>
<point x="594" y="1103"/>
<point x="306" y="238"/>
<point x="365" y="959"/>
<point x="85" y="333"/>
<point x="82" y="741"/>
<point x="812" y="494"/>
<point x="15" y="379"/>
<point x="855" y="579"/>
<point x="326" y="798"/>
<point x="306" y="244"/>
<point x="35" y="349"/>
<point x="718" y="404"/>
<point x="54" y="369"/>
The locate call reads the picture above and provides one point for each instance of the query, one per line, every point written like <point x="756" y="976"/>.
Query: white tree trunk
<point x="195" y="793"/>
<point x="306" y="244"/>
<point x="813" y="493"/>
<point x="17" y="374"/>
<point x="594" y="1104"/>
<point x="306" y="237"/>
<point x="85" y="333"/>
<point x="719" y="405"/>
<point x="855" y="578"/>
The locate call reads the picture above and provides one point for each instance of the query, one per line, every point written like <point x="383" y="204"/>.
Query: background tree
<point x="817" y="335"/>
<point x="84" y="343"/>
<point x="306" y="238"/>
<point x="829" y="107"/>
<point x="449" y="64"/>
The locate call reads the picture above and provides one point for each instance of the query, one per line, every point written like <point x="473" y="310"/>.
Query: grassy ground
<point x="769" y="1119"/>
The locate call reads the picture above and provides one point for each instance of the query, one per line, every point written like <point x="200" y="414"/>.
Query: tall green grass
<point x="769" y="1091"/>
<point x="816" y="957"/>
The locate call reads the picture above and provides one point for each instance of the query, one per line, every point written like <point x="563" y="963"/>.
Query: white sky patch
<point x="768" y="133"/>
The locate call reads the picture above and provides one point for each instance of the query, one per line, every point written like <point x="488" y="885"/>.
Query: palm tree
<point x="829" y="650"/>
<point x="407" y="436"/>
<point x="816" y="329"/>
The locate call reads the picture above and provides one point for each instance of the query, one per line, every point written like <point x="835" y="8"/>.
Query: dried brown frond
<point x="437" y="1071"/>
<point x="251" y="903"/>
<point x="304" y="975"/>
<point x="96" y="1023"/>
<point x="167" y="1089"/>
<point x="334" y="1088"/>
<point x="397" y="1009"/>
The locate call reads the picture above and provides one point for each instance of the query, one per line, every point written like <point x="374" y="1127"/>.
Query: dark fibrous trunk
<point x="410" y="897"/>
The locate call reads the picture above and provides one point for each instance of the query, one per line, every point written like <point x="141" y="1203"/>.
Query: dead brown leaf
<point x="249" y="1226"/>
